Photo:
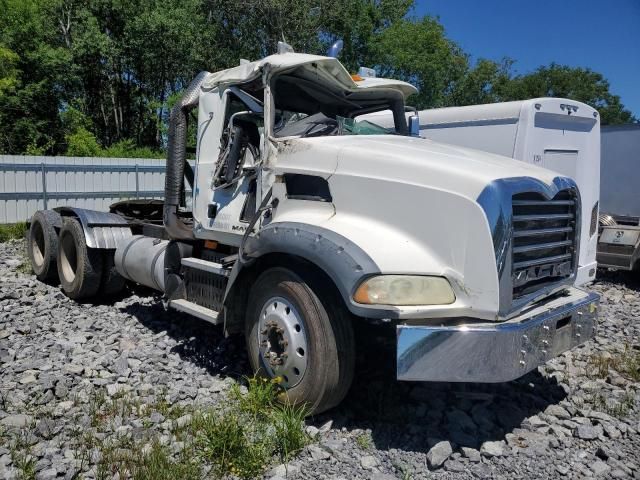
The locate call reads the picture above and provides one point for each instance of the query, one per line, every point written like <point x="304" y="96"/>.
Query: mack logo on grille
<point x="544" y="271"/>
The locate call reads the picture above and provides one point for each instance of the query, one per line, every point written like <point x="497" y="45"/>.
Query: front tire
<point x="79" y="267"/>
<point x="299" y="330"/>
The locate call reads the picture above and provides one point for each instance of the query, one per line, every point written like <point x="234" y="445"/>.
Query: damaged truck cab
<point x="304" y="216"/>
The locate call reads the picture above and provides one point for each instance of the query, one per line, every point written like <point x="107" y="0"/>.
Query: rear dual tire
<point x="79" y="267"/>
<point x="84" y="272"/>
<point x="42" y="244"/>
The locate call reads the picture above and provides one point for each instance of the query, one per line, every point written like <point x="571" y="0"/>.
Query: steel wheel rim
<point x="37" y="244"/>
<point x="282" y="341"/>
<point x="68" y="257"/>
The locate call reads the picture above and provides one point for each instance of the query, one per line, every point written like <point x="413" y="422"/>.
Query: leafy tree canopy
<point x="98" y="77"/>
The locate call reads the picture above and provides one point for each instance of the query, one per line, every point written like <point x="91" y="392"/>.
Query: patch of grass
<point x="11" y="231"/>
<point x="23" y="461"/>
<point x="124" y="458"/>
<point x="243" y="439"/>
<point x="168" y="410"/>
<point x="364" y="441"/>
<point x="240" y="437"/>
<point x="626" y="363"/>
<point x="157" y="464"/>
<point x="618" y="409"/>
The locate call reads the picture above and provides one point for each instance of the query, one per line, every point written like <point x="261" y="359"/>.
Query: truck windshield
<point x="306" y="107"/>
<point x="291" y="124"/>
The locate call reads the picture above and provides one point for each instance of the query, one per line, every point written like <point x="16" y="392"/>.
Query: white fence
<point x="30" y="183"/>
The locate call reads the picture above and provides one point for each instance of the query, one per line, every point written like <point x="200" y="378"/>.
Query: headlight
<point x="404" y="290"/>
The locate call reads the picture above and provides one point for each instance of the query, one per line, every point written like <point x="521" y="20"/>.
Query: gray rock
<point x="558" y="412"/>
<point x="588" y="432"/>
<point x="318" y="453"/>
<point x="18" y="420"/>
<point x="493" y="449"/>
<point x="369" y="462"/>
<point x="47" y="474"/>
<point x="376" y="476"/>
<point x="326" y="427"/>
<point x="437" y="454"/>
<point x="600" y="468"/>
<point x="73" y="369"/>
<point x="121" y="366"/>
<point x="454" y="466"/>
<point x="283" y="471"/>
<point x="183" y="421"/>
<point x="471" y="453"/>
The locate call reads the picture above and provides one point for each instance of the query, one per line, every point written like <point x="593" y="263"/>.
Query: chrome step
<point x="196" y="310"/>
<point x="205" y="265"/>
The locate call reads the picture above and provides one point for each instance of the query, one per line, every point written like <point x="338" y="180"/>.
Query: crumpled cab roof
<point x="329" y="69"/>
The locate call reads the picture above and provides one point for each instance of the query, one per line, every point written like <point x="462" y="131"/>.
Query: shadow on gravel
<point x="198" y="342"/>
<point x="413" y="416"/>
<point x="407" y="416"/>
<point x="630" y="280"/>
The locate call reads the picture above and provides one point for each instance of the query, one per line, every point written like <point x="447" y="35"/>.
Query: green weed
<point x="626" y="363"/>
<point x="243" y="439"/>
<point x="618" y="409"/>
<point x="12" y="231"/>
<point x="364" y="441"/>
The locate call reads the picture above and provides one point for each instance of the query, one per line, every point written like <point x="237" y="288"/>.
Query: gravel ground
<point x="576" y="417"/>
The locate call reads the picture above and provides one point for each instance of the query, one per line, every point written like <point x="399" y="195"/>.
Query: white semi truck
<point x="304" y="217"/>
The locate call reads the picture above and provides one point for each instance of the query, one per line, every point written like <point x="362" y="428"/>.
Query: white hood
<point x="419" y="161"/>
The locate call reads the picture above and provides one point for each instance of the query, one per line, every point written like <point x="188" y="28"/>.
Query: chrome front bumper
<point x="496" y="352"/>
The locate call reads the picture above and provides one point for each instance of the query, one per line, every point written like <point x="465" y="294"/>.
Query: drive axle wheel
<point x="42" y="244"/>
<point x="299" y="330"/>
<point x="79" y="267"/>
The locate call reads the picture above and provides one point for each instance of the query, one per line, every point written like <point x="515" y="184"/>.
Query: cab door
<point x="224" y="200"/>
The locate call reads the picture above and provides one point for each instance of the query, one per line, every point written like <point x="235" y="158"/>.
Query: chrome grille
<point x="544" y="240"/>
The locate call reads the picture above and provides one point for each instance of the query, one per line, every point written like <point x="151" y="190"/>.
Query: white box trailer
<point x="555" y="133"/>
<point x="619" y="242"/>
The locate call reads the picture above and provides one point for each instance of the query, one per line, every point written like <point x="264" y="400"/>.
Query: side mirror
<point x="414" y="125"/>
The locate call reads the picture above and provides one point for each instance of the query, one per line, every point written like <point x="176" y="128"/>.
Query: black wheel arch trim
<point x="341" y="259"/>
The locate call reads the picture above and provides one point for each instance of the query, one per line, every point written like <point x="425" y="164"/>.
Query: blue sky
<point x="603" y="35"/>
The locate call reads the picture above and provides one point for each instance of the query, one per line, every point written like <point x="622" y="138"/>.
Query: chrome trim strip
<point x="496" y="201"/>
<point x="490" y="352"/>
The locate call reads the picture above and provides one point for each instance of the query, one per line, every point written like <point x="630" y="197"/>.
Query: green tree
<point x="79" y="76"/>
<point x="417" y="51"/>
<point x="29" y="115"/>
<point x="82" y="143"/>
<point x="481" y="83"/>
<point x="581" y="84"/>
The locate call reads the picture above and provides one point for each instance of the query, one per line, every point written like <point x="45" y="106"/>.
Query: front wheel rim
<point x="282" y="341"/>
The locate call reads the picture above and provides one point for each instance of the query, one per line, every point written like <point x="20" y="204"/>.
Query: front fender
<point x="341" y="259"/>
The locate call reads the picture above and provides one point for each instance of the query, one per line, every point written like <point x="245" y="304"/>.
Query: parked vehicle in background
<point x="619" y="241"/>
<point x="555" y="133"/>
<point x="305" y="217"/>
